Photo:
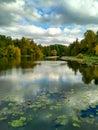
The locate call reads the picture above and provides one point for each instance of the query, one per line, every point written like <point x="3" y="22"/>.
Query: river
<point x="48" y="95"/>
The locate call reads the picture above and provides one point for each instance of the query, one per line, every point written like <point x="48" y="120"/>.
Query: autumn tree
<point x="89" y="40"/>
<point x="17" y="52"/>
<point x="53" y="52"/>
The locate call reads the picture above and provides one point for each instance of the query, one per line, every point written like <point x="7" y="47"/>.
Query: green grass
<point x="95" y="58"/>
<point x="86" y="59"/>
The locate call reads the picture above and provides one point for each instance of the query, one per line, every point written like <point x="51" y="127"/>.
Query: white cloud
<point x="65" y="12"/>
<point x="40" y="35"/>
<point x="84" y="7"/>
<point x="73" y="31"/>
<point x="10" y="12"/>
<point x="24" y="18"/>
<point x="54" y="31"/>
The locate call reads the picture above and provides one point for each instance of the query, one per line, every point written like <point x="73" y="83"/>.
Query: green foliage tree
<point x="75" y="48"/>
<point x="90" y="41"/>
<point x="27" y="47"/>
<point x="3" y="52"/>
<point x="38" y="53"/>
<point x="11" y="51"/>
<point x="96" y="50"/>
<point x="16" y="48"/>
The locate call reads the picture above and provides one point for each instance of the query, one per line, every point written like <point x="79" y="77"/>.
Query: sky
<point x="48" y="21"/>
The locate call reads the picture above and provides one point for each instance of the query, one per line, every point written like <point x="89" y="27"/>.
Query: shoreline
<point x="85" y="60"/>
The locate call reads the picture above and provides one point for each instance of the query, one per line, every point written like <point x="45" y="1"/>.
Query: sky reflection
<point x="49" y="76"/>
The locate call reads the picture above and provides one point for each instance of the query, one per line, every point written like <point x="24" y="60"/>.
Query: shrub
<point x="80" y="55"/>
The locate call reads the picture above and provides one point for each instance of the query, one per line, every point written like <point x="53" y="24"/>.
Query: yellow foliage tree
<point x="17" y="52"/>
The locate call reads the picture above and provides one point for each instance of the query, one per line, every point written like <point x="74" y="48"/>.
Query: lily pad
<point x="18" y="123"/>
<point x="76" y="125"/>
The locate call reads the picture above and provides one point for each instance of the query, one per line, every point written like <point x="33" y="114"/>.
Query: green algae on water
<point x="62" y="120"/>
<point x="18" y="123"/>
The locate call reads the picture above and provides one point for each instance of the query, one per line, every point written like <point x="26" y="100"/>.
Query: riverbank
<point x="85" y="60"/>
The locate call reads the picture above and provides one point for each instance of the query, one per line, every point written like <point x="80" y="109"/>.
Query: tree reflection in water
<point x="89" y="72"/>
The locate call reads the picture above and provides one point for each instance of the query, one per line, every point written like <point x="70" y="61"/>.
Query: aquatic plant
<point x="5" y="111"/>
<point x="3" y="118"/>
<point x="59" y="110"/>
<point x="10" y="104"/>
<point x="15" y="113"/>
<point x="76" y="125"/>
<point x="30" y="118"/>
<point x="62" y="120"/>
<point x="75" y="118"/>
<point x="49" y="115"/>
<point x="18" y="123"/>
<point x="76" y="121"/>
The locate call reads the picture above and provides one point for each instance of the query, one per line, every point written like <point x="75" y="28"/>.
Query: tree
<point x="3" y="52"/>
<point x="53" y="52"/>
<point x="17" y="52"/>
<point x="83" y="46"/>
<point x="38" y="53"/>
<point x="76" y="48"/>
<point x="11" y="51"/>
<point x="96" y="50"/>
<point x="90" y="40"/>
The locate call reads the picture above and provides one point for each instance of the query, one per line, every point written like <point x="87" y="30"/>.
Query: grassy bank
<point x="91" y="58"/>
<point x="85" y="60"/>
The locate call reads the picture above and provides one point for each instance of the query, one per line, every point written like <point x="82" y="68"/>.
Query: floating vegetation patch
<point x="76" y="121"/>
<point x="62" y="120"/>
<point x="48" y="116"/>
<point x="18" y="123"/>
<point x="76" y="125"/>
<point x="61" y="111"/>
<point x="3" y="118"/>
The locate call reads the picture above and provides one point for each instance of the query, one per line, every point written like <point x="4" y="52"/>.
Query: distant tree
<point x="38" y="53"/>
<point x="53" y="52"/>
<point x="80" y="55"/>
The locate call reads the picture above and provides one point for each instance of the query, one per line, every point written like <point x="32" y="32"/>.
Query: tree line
<point x="87" y="46"/>
<point x="53" y="50"/>
<point x="19" y="47"/>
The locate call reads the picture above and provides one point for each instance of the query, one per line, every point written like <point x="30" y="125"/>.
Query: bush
<point x="81" y="56"/>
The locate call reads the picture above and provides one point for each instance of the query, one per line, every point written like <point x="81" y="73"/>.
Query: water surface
<point x="52" y="95"/>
